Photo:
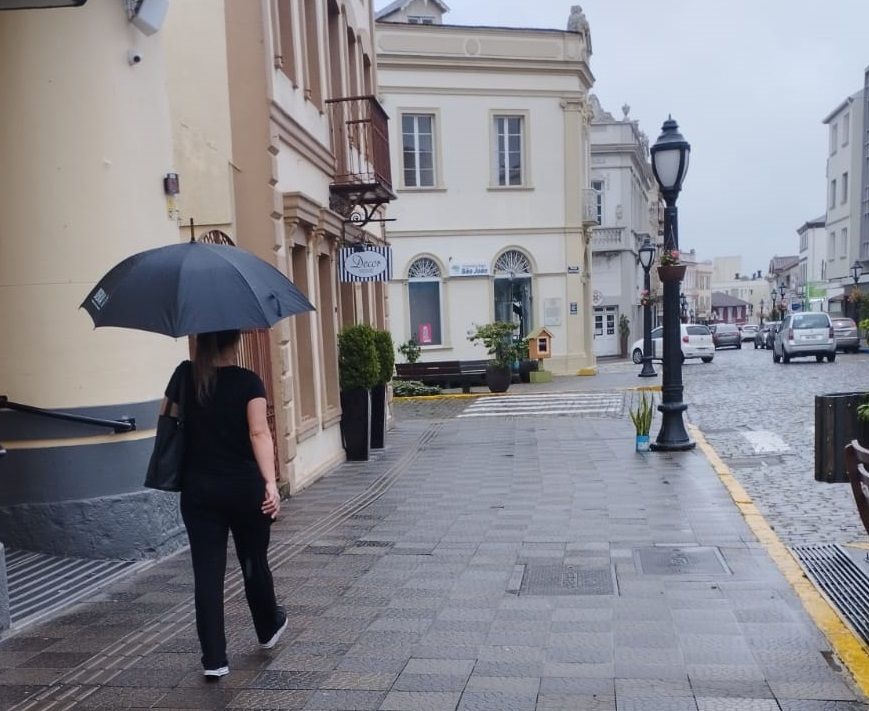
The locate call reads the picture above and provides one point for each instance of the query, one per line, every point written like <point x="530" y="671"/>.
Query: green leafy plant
<point x="410" y="350"/>
<point x="669" y="258"/>
<point x="497" y="338"/>
<point x="624" y="326"/>
<point x="358" y="364"/>
<point x="641" y="415"/>
<point x="413" y="388"/>
<point x="385" y="355"/>
<point x="863" y="410"/>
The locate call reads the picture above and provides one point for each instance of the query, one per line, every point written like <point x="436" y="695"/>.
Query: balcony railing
<point x="360" y="141"/>
<point x="608" y="239"/>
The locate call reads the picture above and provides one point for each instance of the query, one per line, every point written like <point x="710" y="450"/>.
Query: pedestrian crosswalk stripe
<point x="593" y="404"/>
<point x="765" y="442"/>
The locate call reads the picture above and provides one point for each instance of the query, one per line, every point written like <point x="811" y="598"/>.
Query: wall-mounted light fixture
<point x="171" y="184"/>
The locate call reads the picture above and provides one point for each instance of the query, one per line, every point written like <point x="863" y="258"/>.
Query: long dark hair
<point x="208" y="349"/>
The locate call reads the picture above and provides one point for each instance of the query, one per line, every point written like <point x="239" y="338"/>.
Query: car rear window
<point x="812" y="321"/>
<point x="726" y="328"/>
<point x="698" y="331"/>
<point x="844" y="323"/>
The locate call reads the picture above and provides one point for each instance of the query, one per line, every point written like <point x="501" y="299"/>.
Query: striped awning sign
<point x="367" y="264"/>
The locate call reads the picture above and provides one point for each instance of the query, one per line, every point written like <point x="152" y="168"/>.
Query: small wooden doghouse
<point x="539" y="344"/>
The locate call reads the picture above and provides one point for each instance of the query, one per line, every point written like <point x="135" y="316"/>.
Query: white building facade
<point x="490" y="143"/>
<point x="626" y="211"/>
<point x="811" y="285"/>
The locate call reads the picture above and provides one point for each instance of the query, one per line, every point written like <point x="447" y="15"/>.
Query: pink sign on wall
<point x="424" y="334"/>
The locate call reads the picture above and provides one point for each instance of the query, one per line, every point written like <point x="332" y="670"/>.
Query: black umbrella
<point x="192" y="287"/>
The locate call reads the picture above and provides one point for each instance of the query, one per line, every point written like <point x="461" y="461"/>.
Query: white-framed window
<point x="598" y="187"/>
<point x="846" y="128"/>
<point x="420" y="20"/>
<point x="833" y="193"/>
<point x="417" y="150"/>
<point x="831" y="246"/>
<point x="509" y="150"/>
<point x="834" y="137"/>
<point x="424" y="297"/>
<point x="844" y="188"/>
<point x="843" y="243"/>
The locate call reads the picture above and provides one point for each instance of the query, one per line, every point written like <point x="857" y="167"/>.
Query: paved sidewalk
<point x="495" y="563"/>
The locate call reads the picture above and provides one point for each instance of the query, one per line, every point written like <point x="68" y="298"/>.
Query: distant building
<point x="782" y="278"/>
<point x="752" y="288"/>
<point x="626" y="210"/>
<point x="697" y="287"/>
<point x="726" y="269"/>
<point x="811" y="282"/>
<point x="729" y="309"/>
<point x="491" y="142"/>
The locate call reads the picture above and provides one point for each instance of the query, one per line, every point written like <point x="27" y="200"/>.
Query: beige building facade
<point x="490" y="143"/>
<point x="265" y="111"/>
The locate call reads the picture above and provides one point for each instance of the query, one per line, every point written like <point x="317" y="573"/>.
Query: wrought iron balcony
<point x="360" y="142"/>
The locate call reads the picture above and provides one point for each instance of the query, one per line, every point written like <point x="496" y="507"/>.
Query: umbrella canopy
<point x="189" y="288"/>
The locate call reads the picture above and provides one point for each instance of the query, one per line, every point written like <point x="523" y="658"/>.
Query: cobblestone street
<point x="759" y="416"/>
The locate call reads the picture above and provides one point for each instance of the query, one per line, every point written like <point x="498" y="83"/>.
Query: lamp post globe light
<point x="781" y="304"/>
<point x="646" y="255"/>
<point x="670" y="164"/>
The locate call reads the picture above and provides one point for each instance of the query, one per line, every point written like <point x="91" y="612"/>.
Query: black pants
<point x="210" y="510"/>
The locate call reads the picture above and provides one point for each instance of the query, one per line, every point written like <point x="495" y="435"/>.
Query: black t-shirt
<point x="217" y="432"/>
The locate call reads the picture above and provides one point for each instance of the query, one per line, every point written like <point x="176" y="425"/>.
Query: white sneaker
<point x="275" y="637"/>
<point x="216" y="673"/>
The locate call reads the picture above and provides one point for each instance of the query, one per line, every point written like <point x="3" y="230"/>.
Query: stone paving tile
<point x="273" y="700"/>
<point x="659" y="703"/>
<point x="344" y="700"/>
<point x="420" y="701"/>
<point x="122" y="698"/>
<point x="497" y="701"/>
<point x="574" y="702"/>
<point x="708" y="703"/>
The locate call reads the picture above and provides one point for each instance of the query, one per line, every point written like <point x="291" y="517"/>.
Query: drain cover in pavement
<point x="695" y="560"/>
<point x="566" y="580"/>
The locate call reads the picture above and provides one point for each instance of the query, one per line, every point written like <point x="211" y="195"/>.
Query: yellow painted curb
<point x="850" y="648"/>
<point x="587" y="371"/>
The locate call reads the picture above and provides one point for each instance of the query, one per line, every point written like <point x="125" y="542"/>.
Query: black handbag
<point x="167" y="459"/>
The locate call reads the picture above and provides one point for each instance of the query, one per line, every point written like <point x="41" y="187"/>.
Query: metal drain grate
<point x="841" y="580"/>
<point x="566" y="580"/>
<point x="40" y="584"/>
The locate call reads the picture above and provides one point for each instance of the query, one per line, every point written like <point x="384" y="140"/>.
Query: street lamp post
<point x="856" y="273"/>
<point x="647" y="256"/>
<point x="670" y="164"/>
<point x="781" y="304"/>
<point x="773" y="294"/>
<point x="761" y="312"/>
<point x="683" y="307"/>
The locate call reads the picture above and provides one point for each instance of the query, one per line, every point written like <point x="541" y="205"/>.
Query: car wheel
<point x="855" y="350"/>
<point x="683" y="358"/>
<point x="637" y="356"/>
<point x="755" y="346"/>
<point x="775" y="358"/>
<point x="785" y="357"/>
<point x="831" y="358"/>
<point x="706" y="359"/>
<point x="819" y="359"/>
<point x="739" y="347"/>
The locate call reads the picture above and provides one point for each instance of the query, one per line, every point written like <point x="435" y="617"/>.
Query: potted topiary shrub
<point x="386" y="358"/>
<point x="497" y="338"/>
<point x="358" y="371"/>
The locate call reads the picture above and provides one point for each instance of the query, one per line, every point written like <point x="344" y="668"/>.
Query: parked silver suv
<point x="805" y="334"/>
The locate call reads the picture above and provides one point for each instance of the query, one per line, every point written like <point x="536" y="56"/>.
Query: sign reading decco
<point x="370" y="264"/>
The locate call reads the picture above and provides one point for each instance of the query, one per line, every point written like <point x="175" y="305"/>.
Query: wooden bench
<point x="446" y="373"/>
<point x="857" y="466"/>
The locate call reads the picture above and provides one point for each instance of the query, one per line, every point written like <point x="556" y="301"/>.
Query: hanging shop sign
<point x="369" y="264"/>
<point x="469" y="269"/>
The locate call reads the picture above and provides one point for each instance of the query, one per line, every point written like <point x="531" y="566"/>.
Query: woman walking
<point x="228" y="485"/>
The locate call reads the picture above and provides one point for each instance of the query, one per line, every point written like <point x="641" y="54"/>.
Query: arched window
<point x="424" y="295"/>
<point x="513" y="298"/>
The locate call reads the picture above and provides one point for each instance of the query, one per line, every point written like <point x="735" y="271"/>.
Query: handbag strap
<point x="179" y="385"/>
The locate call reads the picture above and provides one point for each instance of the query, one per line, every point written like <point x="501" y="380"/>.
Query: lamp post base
<point x="648" y="369"/>
<point x="673" y="437"/>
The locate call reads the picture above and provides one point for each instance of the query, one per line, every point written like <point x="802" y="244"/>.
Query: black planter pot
<point x="498" y="378"/>
<point x="378" y="416"/>
<point x="526" y="367"/>
<point x="355" y="423"/>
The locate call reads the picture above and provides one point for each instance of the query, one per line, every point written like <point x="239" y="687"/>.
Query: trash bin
<point x="836" y="424"/>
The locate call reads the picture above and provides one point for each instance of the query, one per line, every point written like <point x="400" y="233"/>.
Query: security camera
<point x="133" y="57"/>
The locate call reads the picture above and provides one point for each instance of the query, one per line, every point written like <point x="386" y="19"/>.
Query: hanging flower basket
<point x="648" y="298"/>
<point x="674" y="272"/>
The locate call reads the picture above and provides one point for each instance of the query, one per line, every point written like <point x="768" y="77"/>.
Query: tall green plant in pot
<point x="386" y="360"/>
<point x="497" y="338"/>
<point x="641" y="416"/>
<point x="358" y="371"/>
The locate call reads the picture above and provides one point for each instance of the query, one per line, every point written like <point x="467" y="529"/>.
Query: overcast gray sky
<point x="749" y="82"/>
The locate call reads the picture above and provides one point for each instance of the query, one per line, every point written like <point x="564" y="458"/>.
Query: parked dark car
<point x="726" y="335"/>
<point x="771" y="328"/>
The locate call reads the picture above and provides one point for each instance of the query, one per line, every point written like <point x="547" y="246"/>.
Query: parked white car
<point x="696" y="343"/>
<point x="805" y="334"/>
